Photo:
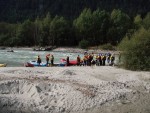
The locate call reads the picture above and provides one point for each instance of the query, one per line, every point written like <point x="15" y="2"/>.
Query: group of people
<point x="98" y="59"/>
<point x="87" y="60"/>
<point x="48" y="58"/>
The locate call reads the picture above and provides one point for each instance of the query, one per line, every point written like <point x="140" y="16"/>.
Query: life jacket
<point x="103" y="57"/>
<point x="85" y="57"/>
<point x="97" y="57"/>
<point x="112" y="58"/>
<point x="52" y="57"/>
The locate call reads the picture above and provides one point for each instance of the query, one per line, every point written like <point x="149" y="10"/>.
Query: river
<point x="19" y="57"/>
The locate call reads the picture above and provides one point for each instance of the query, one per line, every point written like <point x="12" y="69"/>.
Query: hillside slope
<point x="19" y="10"/>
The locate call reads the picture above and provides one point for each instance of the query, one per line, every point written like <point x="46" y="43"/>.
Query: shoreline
<point x="66" y="49"/>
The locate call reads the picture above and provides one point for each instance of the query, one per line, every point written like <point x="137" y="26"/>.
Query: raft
<point x="10" y="51"/>
<point x="3" y="65"/>
<point x="34" y="63"/>
<point x="71" y="62"/>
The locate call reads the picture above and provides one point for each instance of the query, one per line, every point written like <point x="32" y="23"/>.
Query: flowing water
<point x="19" y="57"/>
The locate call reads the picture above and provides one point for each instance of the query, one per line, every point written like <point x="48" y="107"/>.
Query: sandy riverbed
<point x="74" y="90"/>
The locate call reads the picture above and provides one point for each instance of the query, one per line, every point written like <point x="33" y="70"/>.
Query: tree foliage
<point x="83" y="24"/>
<point x="146" y="21"/>
<point x="121" y="24"/>
<point x="25" y="33"/>
<point x="98" y="27"/>
<point x="83" y="44"/>
<point x="136" y="50"/>
<point x="101" y="24"/>
<point x="138" y="21"/>
<point x="21" y="10"/>
<point x="58" y="31"/>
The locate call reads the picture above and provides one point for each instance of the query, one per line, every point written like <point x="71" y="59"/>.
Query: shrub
<point x="136" y="51"/>
<point x="83" y="44"/>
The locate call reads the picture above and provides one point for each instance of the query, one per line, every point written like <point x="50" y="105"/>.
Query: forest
<point x="70" y="22"/>
<point x="21" y="10"/>
<point x="92" y="27"/>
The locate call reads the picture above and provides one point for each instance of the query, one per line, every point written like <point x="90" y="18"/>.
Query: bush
<point x="136" y="51"/>
<point x="107" y="47"/>
<point x="83" y="44"/>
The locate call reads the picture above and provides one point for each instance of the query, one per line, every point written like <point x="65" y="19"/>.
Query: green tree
<point x="20" y="10"/>
<point x="136" y="50"/>
<point x="25" y="33"/>
<point x="45" y="36"/>
<point x="38" y="32"/>
<point x="83" y="24"/>
<point x="83" y="44"/>
<point x="121" y="23"/>
<point x="3" y="39"/>
<point x="59" y="31"/>
<point x="146" y="21"/>
<point x="7" y="34"/>
<point x="138" y="21"/>
<point x="101" y="24"/>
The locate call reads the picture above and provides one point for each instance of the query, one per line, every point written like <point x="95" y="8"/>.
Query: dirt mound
<point x="73" y="90"/>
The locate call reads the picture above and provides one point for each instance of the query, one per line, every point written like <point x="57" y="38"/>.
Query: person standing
<point x="112" y="60"/>
<point x="39" y="60"/>
<point x="47" y="59"/>
<point x="67" y="61"/>
<point x="85" y="59"/>
<point x="97" y="60"/>
<point x="90" y="58"/>
<point x="103" y="59"/>
<point x="78" y="60"/>
<point x="108" y="57"/>
<point x="52" y="60"/>
<point x="100" y="59"/>
<point x="119" y="57"/>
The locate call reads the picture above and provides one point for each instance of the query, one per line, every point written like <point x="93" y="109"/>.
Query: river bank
<point x="73" y="90"/>
<point x="64" y="49"/>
